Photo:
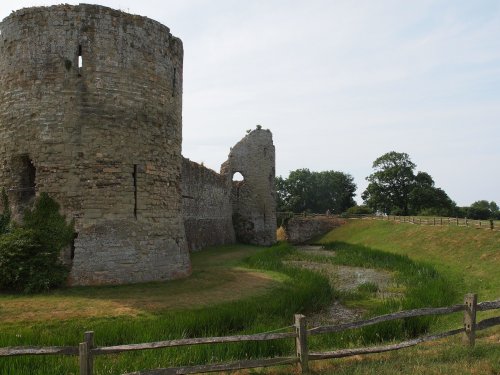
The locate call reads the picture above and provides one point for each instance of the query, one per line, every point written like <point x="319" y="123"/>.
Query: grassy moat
<point x="248" y="289"/>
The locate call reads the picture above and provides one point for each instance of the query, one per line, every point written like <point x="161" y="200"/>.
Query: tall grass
<point x="301" y="292"/>
<point x="423" y="285"/>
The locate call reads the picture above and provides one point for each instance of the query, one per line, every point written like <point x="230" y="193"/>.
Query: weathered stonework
<point x="302" y="229"/>
<point x="103" y="139"/>
<point x="253" y="199"/>
<point x="90" y="112"/>
<point x="207" y="209"/>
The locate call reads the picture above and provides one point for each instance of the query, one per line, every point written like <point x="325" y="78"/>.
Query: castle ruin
<point x="91" y="113"/>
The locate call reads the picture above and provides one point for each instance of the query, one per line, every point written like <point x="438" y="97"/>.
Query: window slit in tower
<point x="134" y="176"/>
<point x="80" y="58"/>
<point x="174" y="82"/>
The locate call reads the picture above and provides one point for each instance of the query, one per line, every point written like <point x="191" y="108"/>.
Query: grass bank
<point x="421" y="284"/>
<point x="245" y="289"/>
<point x="469" y="257"/>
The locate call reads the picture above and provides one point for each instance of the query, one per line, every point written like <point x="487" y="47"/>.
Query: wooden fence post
<point x="491" y="225"/>
<point x="85" y="356"/>
<point x="302" y="350"/>
<point x="470" y="302"/>
<point x="466" y="222"/>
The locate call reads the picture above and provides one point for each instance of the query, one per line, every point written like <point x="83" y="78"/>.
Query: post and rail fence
<point x="417" y="220"/>
<point x="87" y="350"/>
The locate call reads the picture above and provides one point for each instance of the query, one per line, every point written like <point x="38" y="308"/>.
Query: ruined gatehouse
<point x="91" y="113"/>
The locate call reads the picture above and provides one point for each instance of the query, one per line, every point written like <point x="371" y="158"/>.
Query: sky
<point x="340" y="83"/>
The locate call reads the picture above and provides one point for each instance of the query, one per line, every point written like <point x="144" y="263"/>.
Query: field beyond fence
<point x="417" y="220"/>
<point x="87" y="350"/>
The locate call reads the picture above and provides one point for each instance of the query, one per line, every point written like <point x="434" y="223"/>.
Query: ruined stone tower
<point x="90" y="112"/>
<point x="253" y="199"/>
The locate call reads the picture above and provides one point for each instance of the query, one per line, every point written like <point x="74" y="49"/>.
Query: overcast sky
<point x="340" y="83"/>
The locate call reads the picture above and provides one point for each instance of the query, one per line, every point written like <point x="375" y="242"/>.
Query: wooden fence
<point x="438" y="221"/>
<point x="86" y="351"/>
<point x="418" y="220"/>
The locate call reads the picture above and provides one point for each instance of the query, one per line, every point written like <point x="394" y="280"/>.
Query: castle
<point x="91" y="113"/>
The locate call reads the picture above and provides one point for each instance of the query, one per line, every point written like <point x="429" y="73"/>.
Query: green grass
<point x="470" y="258"/>
<point x="423" y="286"/>
<point x="299" y="291"/>
<point x="433" y="266"/>
<point x="368" y="287"/>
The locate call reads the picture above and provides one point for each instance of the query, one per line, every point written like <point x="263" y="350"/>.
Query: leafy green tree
<point x="390" y="185"/>
<point x="394" y="188"/>
<point x="304" y="190"/>
<point x="424" y="197"/>
<point x="281" y="194"/>
<point x="483" y="210"/>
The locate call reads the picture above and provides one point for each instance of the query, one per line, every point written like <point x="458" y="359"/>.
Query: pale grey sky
<point x="340" y="83"/>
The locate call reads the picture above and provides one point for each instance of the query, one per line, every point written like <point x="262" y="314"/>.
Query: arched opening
<point x="238" y="177"/>
<point x="238" y="181"/>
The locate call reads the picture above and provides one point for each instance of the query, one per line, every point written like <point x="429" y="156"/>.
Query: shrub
<point x="359" y="210"/>
<point x="29" y="255"/>
<point x="5" y="216"/>
<point x="48" y="224"/>
<point x="25" y="265"/>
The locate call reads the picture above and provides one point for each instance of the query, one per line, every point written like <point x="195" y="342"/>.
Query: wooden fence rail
<point x="86" y="351"/>
<point x="434" y="221"/>
<point x="418" y="220"/>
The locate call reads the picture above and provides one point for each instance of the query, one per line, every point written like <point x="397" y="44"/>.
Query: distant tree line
<point x="317" y="192"/>
<point x="394" y="188"/>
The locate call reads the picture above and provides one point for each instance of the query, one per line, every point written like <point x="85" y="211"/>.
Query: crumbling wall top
<point x="254" y="202"/>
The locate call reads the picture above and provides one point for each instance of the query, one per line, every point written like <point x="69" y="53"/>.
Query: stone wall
<point x="302" y="229"/>
<point x="207" y="210"/>
<point x="253" y="199"/>
<point x="91" y="113"/>
<point x="103" y="139"/>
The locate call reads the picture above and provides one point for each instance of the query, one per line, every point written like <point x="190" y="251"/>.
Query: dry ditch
<point x="344" y="279"/>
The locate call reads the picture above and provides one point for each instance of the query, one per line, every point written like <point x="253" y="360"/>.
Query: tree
<point x="390" y="184"/>
<point x="395" y="189"/>
<point x="304" y="190"/>
<point x="483" y="210"/>
<point x="424" y="197"/>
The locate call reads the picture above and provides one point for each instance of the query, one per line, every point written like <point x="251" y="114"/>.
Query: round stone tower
<point x="90" y="112"/>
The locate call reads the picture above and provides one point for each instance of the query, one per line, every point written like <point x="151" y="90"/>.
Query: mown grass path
<point x="216" y="278"/>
